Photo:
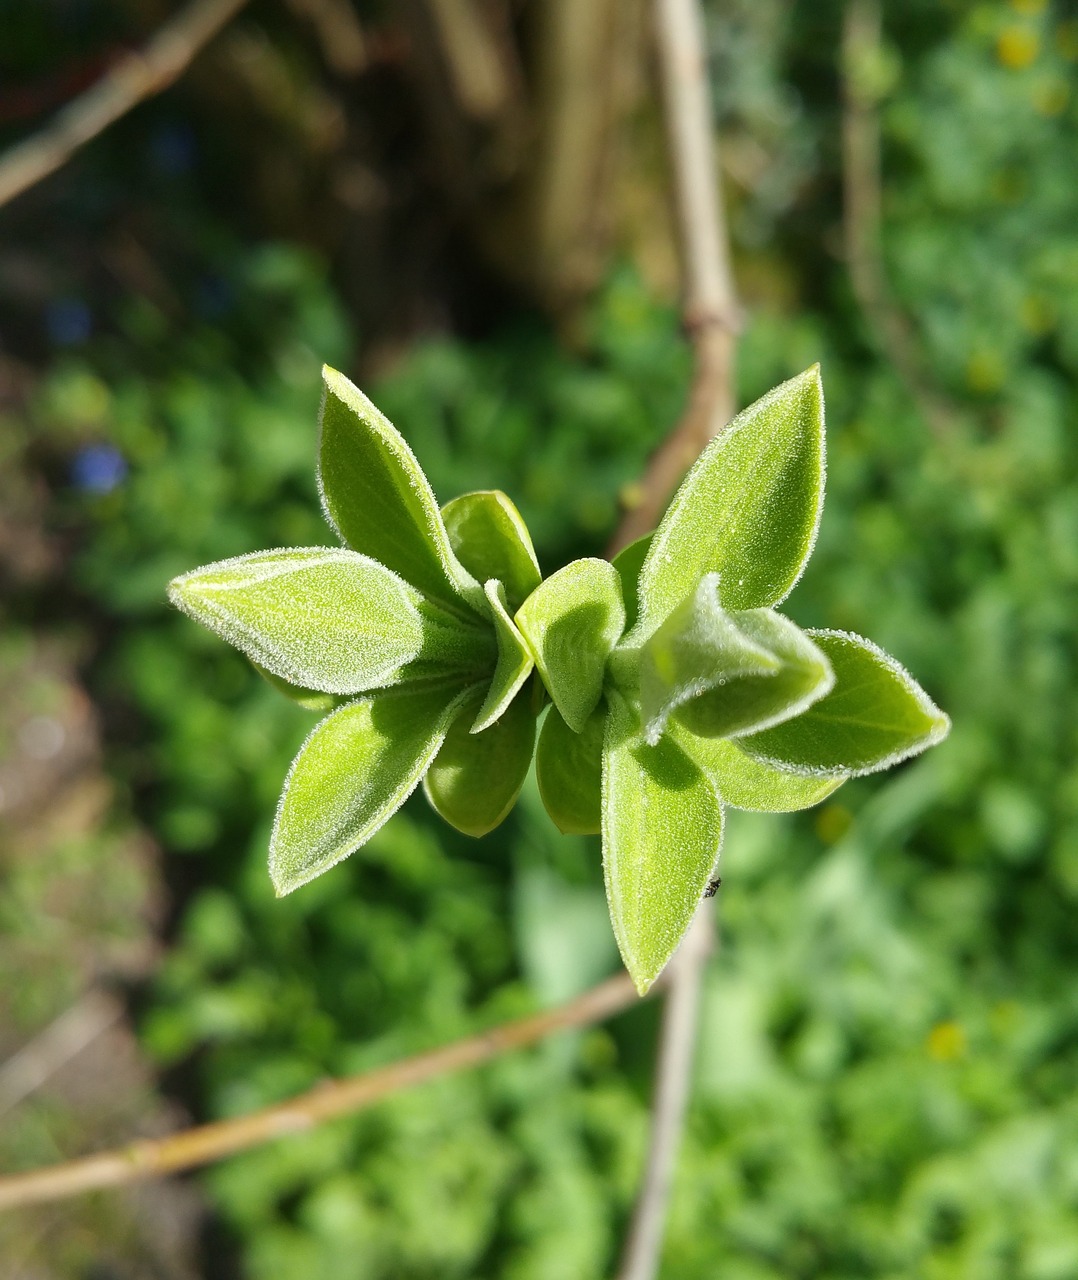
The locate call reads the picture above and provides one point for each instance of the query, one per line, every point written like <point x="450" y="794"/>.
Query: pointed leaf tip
<point x="353" y="772"/>
<point x="875" y="716"/>
<point x="662" y="833"/>
<point x="322" y="618"/>
<point x="376" y="496"/>
<point x="749" y="509"/>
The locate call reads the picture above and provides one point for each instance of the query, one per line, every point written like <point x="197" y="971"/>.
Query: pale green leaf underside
<point x="569" y="771"/>
<point x="308" y="699"/>
<point x="491" y="540"/>
<point x="571" y="622"/>
<point x="725" y="673"/>
<point x="662" y="832"/>
<point x="355" y="770"/>
<point x="376" y="496"/>
<point x="476" y="777"/>
<point x="628" y="563"/>
<point x="875" y="716"/>
<point x="323" y="618"/>
<point x="514" y="661"/>
<point x="748" y="510"/>
<point x="745" y="783"/>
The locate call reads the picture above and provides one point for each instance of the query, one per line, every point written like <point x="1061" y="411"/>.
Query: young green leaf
<point x="571" y="621"/>
<point x="322" y="617"/>
<point x="491" y="540"/>
<point x="662" y="832"/>
<point x="746" y="783"/>
<point x="308" y="699"/>
<point x="514" y="661"/>
<point x="376" y="496"/>
<point x="875" y="716"/>
<point x="355" y="770"/>
<point x="628" y="563"/>
<point x="476" y="777"/>
<point x="748" y="509"/>
<point x="569" y="770"/>
<point x="726" y="673"/>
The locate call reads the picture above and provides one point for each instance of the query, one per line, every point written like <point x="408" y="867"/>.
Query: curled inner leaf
<point x="726" y="673"/>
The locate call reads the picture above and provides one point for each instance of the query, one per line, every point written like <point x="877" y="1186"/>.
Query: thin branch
<point x="136" y="77"/>
<point x="344" y="46"/>
<point x="186" y="1150"/>
<point x="862" y="214"/>
<point x="673" y="1072"/>
<point x="711" y="313"/>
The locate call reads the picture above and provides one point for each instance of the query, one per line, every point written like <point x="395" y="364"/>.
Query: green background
<point x="887" y="1077"/>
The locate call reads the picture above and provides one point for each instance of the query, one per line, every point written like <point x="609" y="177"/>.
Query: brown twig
<point x="136" y="77"/>
<point x="711" y="313"/>
<point x="673" y="1073"/>
<point x="156" y="1156"/>
<point x="710" y="310"/>
<point x="863" y="214"/>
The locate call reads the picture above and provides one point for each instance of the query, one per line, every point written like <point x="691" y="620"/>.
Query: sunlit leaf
<point x="491" y="540"/>
<point x="514" y="661"/>
<point x="751" y="784"/>
<point x="476" y="777"/>
<point x="569" y="770"/>
<point x="325" y="618"/>
<point x="355" y="770"/>
<point x="571" y="622"/>
<point x="628" y="563"/>
<point x="748" y="510"/>
<point x="875" y="716"/>
<point x="662" y="832"/>
<point x="726" y="673"/>
<point x="376" y="496"/>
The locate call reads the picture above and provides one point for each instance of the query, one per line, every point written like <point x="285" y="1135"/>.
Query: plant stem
<point x="710" y="311"/>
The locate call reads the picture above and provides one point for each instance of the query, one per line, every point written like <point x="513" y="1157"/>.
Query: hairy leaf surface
<point x="476" y="777"/>
<point x="751" y="784"/>
<point x="355" y="770"/>
<point x="514" y="661"/>
<point x="662" y="832"/>
<point x="875" y="716"/>
<point x="748" y="510"/>
<point x="491" y="540"/>
<point x="726" y="673"/>
<point x="571" y="622"/>
<point x="569" y="770"/>
<point x="322" y="618"/>
<point x="376" y="496"/>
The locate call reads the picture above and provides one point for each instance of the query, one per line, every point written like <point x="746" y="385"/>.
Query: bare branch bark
<point x="673" y="1073"/>
<point x="186" y="1150"/>
<point x="863" y="214"/>
<point x="712" y="319"/>
<point x="711" y="313"/>
<point x="136" y="77"/>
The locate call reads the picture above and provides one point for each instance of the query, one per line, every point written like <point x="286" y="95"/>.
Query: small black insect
<point x="713" y="887"/>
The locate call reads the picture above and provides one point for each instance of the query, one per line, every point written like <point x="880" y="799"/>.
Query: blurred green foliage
<point x="889" y="1058"/>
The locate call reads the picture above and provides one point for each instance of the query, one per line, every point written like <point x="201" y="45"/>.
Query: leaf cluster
<point x="674" y="687"/>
